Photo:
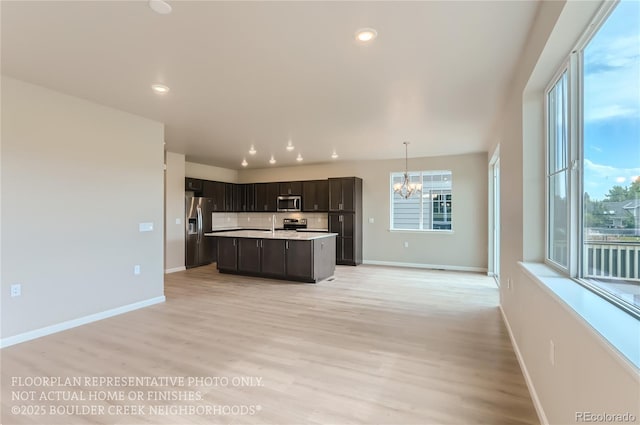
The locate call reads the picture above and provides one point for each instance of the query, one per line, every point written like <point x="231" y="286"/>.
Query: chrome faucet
<point x="273" y="224"/>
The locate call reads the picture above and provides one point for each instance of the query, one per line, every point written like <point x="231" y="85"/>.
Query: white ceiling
<point x="266" y="72"/>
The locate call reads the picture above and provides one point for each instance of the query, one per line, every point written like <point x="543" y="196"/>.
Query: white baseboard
<point x="175" y="269"/>
<point x="527" y="378"/>
<point x="426" y="266"/>
<point x="48" y="330"/>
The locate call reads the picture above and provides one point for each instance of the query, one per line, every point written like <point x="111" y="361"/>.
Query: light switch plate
<point x="371" y="220"/>
<point x="145" y="227"/>
<point x="178" y="221"/>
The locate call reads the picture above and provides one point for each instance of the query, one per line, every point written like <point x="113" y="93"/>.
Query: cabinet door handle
<point x="257" y="243"/>
<point x="286" y="244"/>
<point x="234" y="242"/>
<point x="339" y="206"/>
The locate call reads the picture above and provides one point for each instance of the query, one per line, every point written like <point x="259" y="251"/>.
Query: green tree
<point x="617" y="193"/>
<point x="634" y="189"/>
<point x="594" y="212"/>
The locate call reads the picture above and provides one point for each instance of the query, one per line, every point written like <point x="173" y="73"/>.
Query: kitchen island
<point x="290" y="255"/>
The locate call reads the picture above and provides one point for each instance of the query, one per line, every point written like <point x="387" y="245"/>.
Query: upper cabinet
<point x="266" y="197"/>
<point x="290" y="188"/>
<point x="215" y="191"/>
<point x="244" y="197"/>
<point x="193" y="185"/>
<point x="343" y="193"/>
<point x="315" y="196"/>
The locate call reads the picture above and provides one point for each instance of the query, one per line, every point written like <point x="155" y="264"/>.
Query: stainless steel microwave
<point x="289" y="203"/>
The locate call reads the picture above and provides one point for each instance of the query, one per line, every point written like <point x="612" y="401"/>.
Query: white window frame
<point x="422" y="174"/>
<point x="575" y="154"/>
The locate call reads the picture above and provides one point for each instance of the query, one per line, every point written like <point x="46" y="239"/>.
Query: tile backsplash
<point x="263" y="220"/>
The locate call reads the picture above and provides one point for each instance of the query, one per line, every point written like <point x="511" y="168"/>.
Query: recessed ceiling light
<point x="252" y="150"/>
<point x="290" y="146"/>
<point x="244" y="162"/>
<point x="272" y="160"/>
<point x="160" y="88"/>
<point x="366" y="34"/>
<point x="299" y="158"/>
<point x="160" y="7"/>
<point x="334" y="155"/>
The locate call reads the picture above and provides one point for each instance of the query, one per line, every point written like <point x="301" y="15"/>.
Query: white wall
<point x="77" y="179"/>
<point x="174" y="210"/>
<point x="588" y="374"/>
<point x="465" y="248"/>
<point x="209" y="172"/>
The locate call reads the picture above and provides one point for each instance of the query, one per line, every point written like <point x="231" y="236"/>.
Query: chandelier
<point x="406" y="188"/>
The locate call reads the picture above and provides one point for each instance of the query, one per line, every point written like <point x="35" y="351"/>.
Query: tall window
<point x="592" y="176"/>
<point x="558" y="169"/>
<point x="429" y="209"/>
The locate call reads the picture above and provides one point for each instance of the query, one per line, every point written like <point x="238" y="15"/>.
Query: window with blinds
<point x="429" y="209"/>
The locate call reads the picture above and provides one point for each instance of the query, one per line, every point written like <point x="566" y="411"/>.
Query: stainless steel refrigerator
<point x="200" y="249"/>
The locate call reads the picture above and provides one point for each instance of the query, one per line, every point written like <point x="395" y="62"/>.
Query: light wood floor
<point x="376" y="345"/>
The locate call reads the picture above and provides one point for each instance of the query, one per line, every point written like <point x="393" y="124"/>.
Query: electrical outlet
<point x="406" y="244"/>
<point x="178" y="221"/>
<point x="371" y="220"/>
<point x="552" y="353"/>
<point x="16" y="290"/>
<point x="136" y="269"/>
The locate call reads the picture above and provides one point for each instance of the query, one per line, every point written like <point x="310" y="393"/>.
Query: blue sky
<point x="612" y="102"/>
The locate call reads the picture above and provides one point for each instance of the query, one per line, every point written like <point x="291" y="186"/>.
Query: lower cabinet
<point x="273" y="257"/>
<point x="249" y="251"/>
<point x="302" y="260"/>
<point x="299" y="259"/>
<point x="349" y="239"/>
<point x="227" y="254"/>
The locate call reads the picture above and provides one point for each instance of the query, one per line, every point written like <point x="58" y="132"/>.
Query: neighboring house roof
<point x="620" y="209"/>
<point x="632" y="205"/>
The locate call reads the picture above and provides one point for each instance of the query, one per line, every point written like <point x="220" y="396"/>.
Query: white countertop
<point x="278" y="234"/>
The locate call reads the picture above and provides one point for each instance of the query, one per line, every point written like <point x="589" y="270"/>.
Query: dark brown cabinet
<point x="346" y="196"/>
<point x="228" y="254"/>
<point x="244" y="197"/>
<point x="215" y="191"/>
<point x="301" y="260"/>
<point x="344" y="193"/>
<point x="273" y="257"/>
<point x="249" y="255"/>
<point x="193" y="185"/>
<point x="266" y="196"/>
<point x="348" y="249"/>
<point x="228" y="196"/>
<point x="290" y="188"/>
<point x="299" y="255"/>
<point x="315" y="196"/>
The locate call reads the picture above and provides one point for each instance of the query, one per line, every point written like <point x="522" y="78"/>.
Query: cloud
<point x="599" y="178"/>
<point x="612" y="65"/>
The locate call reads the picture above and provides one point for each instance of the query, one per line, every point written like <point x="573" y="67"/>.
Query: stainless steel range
<point x="294" y="223"/>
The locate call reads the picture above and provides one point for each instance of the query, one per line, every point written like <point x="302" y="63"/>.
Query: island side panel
<point x="324" y="259"/>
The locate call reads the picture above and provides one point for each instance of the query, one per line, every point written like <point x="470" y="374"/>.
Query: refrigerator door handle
<point x="199" y="224"/>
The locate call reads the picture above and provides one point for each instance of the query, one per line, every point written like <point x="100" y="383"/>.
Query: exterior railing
<point x="612" y="260"/>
